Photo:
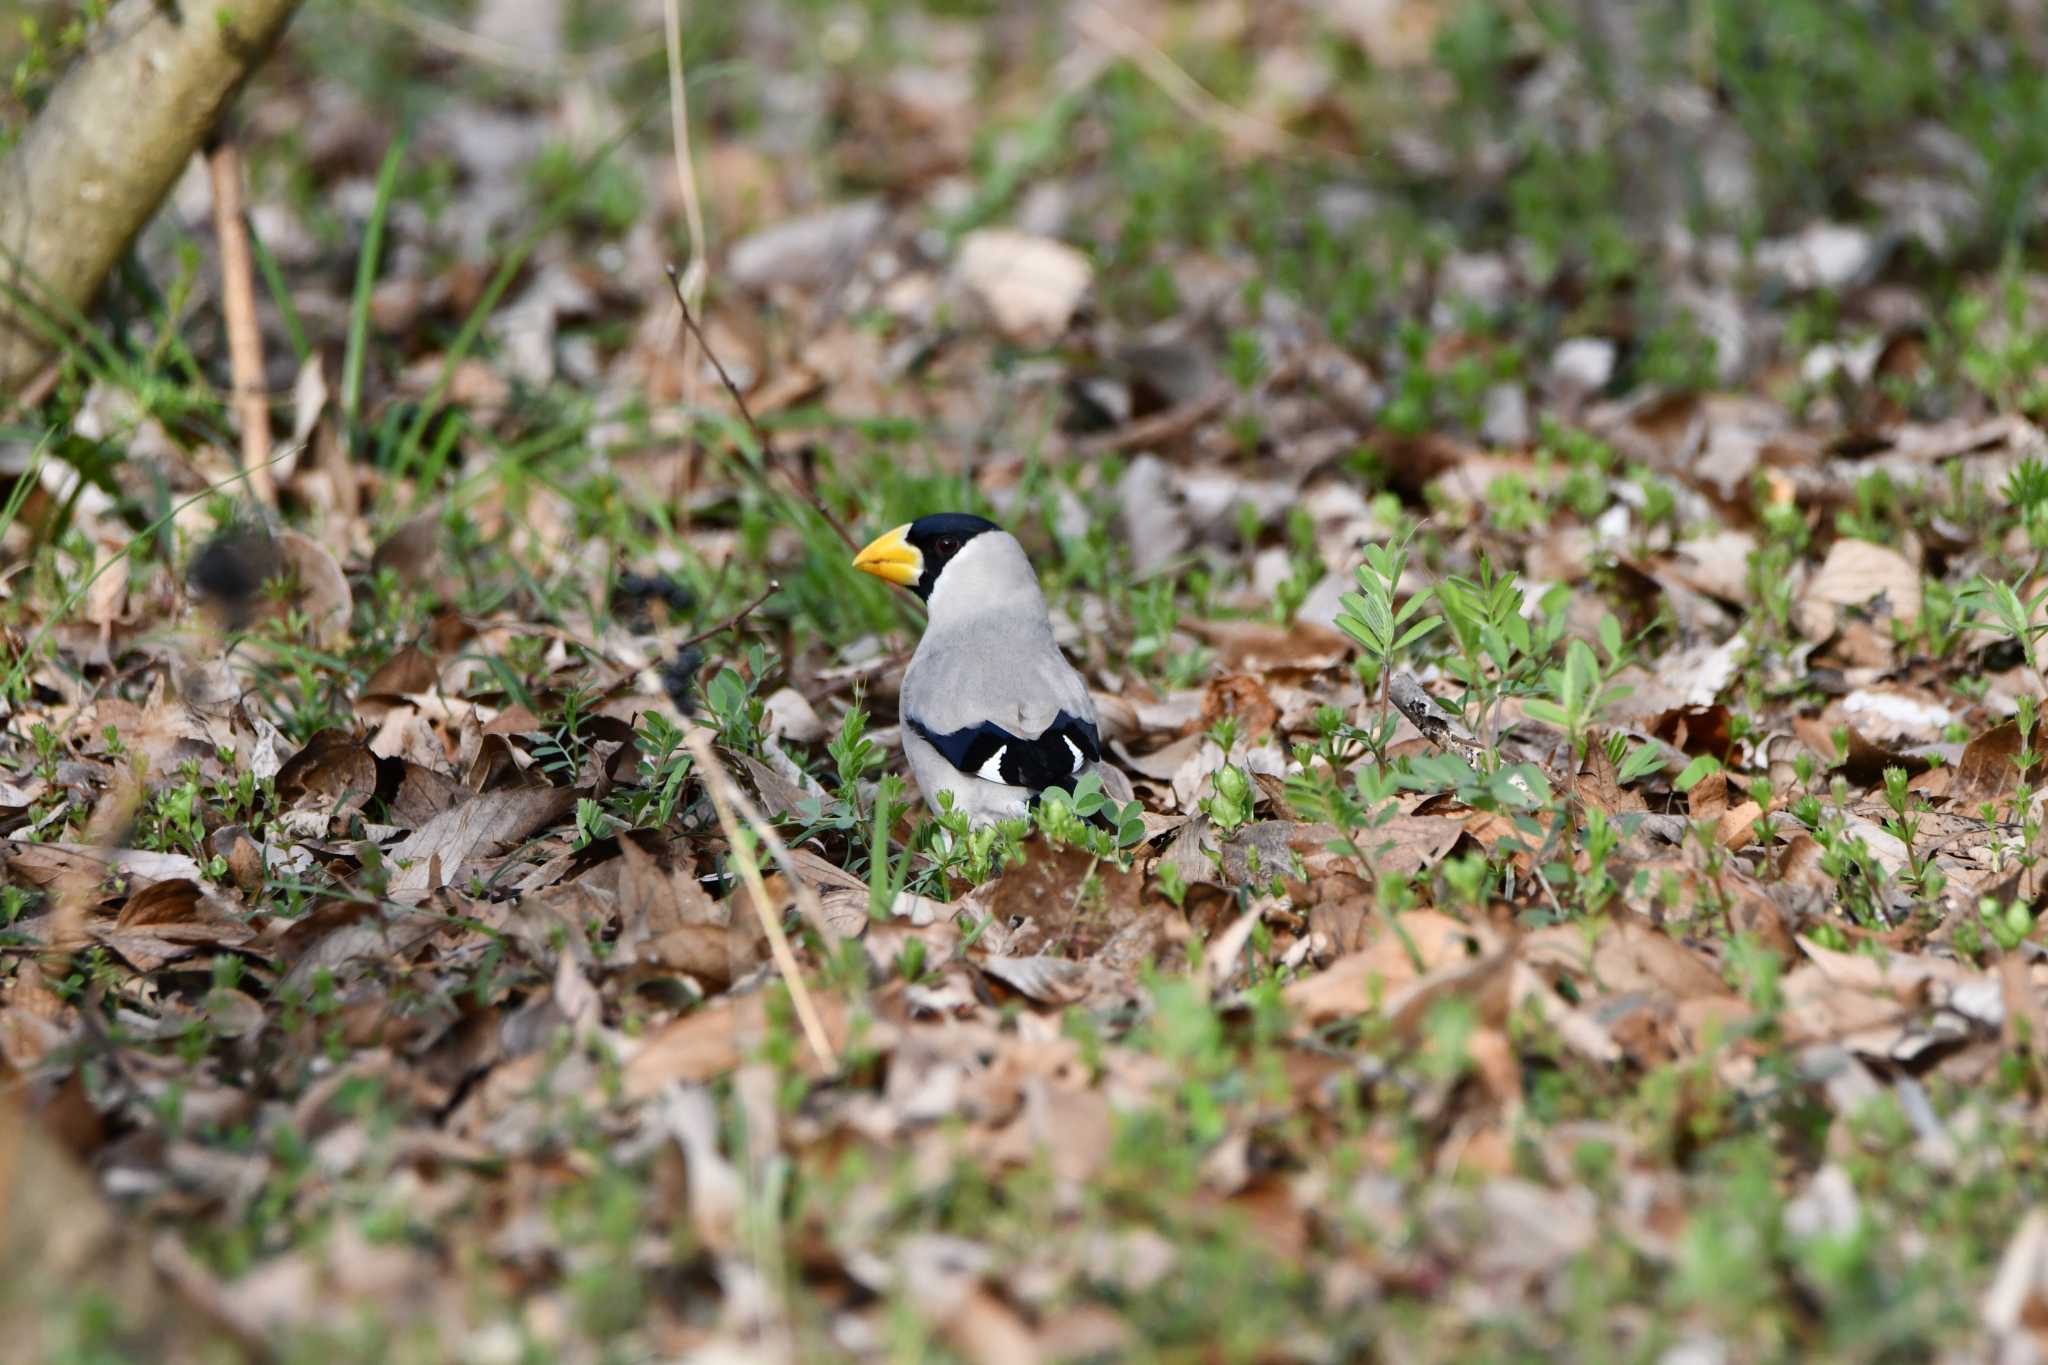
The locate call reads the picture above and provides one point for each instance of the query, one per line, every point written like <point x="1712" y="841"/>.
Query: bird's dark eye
<point x="946" y="546"/>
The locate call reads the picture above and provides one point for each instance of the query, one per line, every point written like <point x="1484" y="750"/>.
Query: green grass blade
<point x="366" y="280"/>
<point x="280" y="292"/>
<point x="29" y="479"/>
<point x="557" y="208"/>
<point x="64" y="328"/>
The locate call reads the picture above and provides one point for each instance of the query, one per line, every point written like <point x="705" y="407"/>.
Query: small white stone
<point x="1582" y="365"/>
<point x="1506" y="419"/>
<point x="1030" y="285"/>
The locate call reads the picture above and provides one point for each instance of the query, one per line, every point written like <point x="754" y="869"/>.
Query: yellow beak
<point x="892" y="556"/>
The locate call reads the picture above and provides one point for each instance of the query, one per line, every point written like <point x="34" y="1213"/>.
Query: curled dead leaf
<point x="1862" y="575"/>
<point x="1405" y="947"/>
<point x="486" y="823"/>
<point x="322" y="589"/>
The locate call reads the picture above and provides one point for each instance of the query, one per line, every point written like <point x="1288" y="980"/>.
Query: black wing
<point x="988" y="751"/>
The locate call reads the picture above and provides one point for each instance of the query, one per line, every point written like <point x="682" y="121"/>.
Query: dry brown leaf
<point x="781" y="799"/>
<point x="322" y="589"/>
<point x="1736" y="826"/>
<point x="1625" y="957"/>
<point x="1862" y="575"/>
<point x="423" y="794"/>
<point x="1579" y="1028"/>
<point x="412" y="551"/>
<point x="1597" y="786"/>
<point x="1062" y="897"/>
<point x="2016" y="1304"/>
<point x="172" y="919"/>
<point x="1361" y="982"/>
<point x="408" y="671"/>
<point x="715" y="954"/>
<point x="1242" y="698"/>
<point x="1708" y="800"/>
<point x="53" y="863"/>
<point x="819" y="249"/>
<point x="1257" y="648"/>
<point x="1483" y="984"/>
<point x="1404" y="844"/>
<point x="59" y="1237"/>
<point x="485" y="824"/>
<point x="658" y="894"/>
<point x="846" y="911"/>
<point x="1047" y="980"/>
<point x="988" y="1332"/>
<point x="334" y="773"/>
<point x="1897" y="973"/>
<point x="1085" y="1331"/>
<point x="1865" y="759"/>
<point x="1987" y="770"/>
<point x="1821" y="1009"/>
<point x="710" y="1041"/>
<point x="1696" y="730"/>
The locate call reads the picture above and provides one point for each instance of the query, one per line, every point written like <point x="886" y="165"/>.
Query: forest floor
<point x="469" y="904"/>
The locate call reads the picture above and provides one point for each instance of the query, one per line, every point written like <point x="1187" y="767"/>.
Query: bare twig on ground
<point x="731" y="805"/>
<point x="805" y="487"/>
<point x="238" y="308"/>
<point x="729" y="622"/>
<point x="1437" y="726"/>
<point x="806" y="898"/>
<point x="1160" y="427"/>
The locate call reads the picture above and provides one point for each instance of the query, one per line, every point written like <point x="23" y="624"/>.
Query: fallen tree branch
<point x="98" y="159"/>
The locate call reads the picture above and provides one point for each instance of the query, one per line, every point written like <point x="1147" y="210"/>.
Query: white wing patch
<point x="1075" y="749"/>
<point x="992" y="771"/>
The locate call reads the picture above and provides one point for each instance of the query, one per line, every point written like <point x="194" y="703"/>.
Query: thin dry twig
<point x="805" y="487"/>
<point x="510" y="58"/>
<point x="727" y="798"/>
<point x="33" y="392"/>
<point x="695" y="268"/>
<point x="806" y="898"/>
<point x="1160" y="427"/>
<point x="1102" y="27"/>
<point x="238" y="306"/>
<point x="729" y="622"/>
<point x="1437" y="726"/>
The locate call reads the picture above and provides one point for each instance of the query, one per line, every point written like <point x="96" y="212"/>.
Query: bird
<point x="992" y="711"/>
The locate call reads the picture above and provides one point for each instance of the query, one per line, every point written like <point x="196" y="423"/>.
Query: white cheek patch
<point x="992" y="771"/>
<point x="1075" y="749"/>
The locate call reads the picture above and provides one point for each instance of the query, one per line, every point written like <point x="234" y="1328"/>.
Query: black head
<point x="938" y="538"/>
<point x="914" y="554"/>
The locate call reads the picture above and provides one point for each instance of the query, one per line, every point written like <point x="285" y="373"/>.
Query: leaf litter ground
<point x="470" y="910"/>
